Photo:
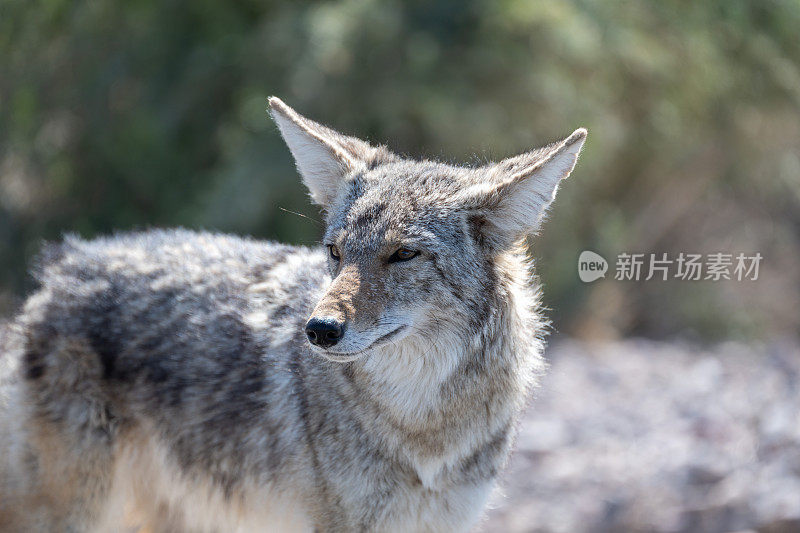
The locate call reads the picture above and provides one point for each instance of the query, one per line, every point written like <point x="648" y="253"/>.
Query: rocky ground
<point x="641" y="436"/>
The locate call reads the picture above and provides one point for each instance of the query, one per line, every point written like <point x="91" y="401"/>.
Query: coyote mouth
<point x="345" y="357"/>
<point x="385" y="338"/>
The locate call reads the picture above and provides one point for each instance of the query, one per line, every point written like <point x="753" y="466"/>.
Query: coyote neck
<point x="425" y="384"/>
<point x="435" y="403"/>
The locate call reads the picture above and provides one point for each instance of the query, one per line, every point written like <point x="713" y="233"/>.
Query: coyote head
<point x="413" y="246"/>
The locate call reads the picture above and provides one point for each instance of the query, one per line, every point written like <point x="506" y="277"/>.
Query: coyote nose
<point x="324" y="332"/>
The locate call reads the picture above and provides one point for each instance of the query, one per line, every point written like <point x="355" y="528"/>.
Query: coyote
<point x="198" y="382"/>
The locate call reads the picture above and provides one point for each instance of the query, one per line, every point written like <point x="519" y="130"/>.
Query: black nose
<point x="324" y="332"/>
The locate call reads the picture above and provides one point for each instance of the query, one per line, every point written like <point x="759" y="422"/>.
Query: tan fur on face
<point x="350" y="298"/>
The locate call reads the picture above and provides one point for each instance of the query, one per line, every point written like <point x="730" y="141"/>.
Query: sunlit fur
<point x="164" y="379"/>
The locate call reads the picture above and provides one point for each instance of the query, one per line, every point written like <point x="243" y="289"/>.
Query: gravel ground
<point x="643" y="436"/>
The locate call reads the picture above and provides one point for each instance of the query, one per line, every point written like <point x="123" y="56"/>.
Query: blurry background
<point x="118" y="115"/>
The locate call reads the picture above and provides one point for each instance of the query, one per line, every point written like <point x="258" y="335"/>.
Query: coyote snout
<point x="359" y="309"/>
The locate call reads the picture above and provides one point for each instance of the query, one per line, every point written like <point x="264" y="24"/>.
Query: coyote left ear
<point x="323" y="156"/>
<point x="518" y="190"/>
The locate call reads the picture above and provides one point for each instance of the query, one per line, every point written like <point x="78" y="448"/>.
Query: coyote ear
<point x="323" y="156"/>
<point x="518" y="190"/>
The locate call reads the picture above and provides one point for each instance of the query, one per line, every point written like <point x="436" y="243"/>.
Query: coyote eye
<point x="403" y="254"/>
<point x="334" y="251"/>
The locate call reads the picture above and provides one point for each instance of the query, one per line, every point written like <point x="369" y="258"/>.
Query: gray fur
<point x="193" y="344"/>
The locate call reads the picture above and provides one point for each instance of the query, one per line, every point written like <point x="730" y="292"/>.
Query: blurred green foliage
<point x="117" y="115"/>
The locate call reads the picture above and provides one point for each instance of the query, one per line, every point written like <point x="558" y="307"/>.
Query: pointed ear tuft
<point x="323" y="156"/>
<point x="516" y="192"/>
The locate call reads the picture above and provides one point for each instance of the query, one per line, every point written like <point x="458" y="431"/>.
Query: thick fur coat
<point x="198" y="382"/>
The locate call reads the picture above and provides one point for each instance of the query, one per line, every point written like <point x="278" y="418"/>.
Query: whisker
<point x="315" y="221"/>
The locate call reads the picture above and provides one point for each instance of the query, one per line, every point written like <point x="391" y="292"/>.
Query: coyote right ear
<point x="516" y="192"/>
<point x="323" y="156"/>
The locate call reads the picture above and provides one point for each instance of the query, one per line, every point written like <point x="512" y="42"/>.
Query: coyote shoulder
<point x="200" y="382"/>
